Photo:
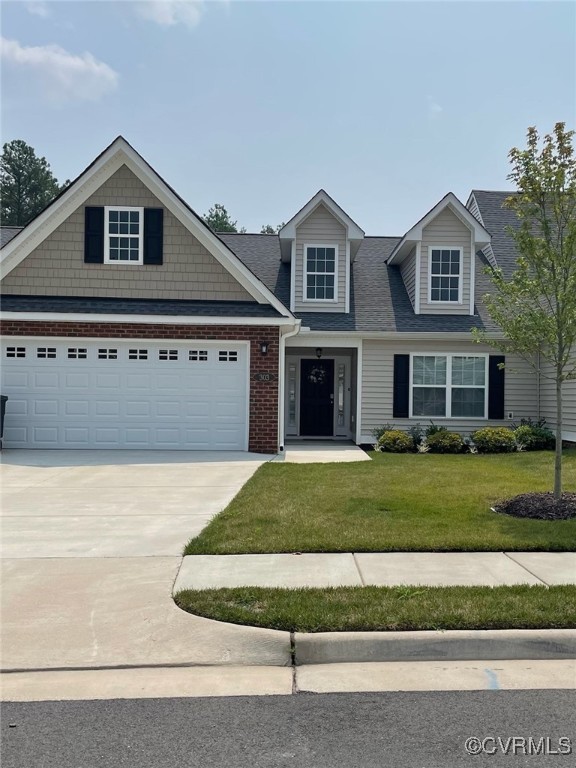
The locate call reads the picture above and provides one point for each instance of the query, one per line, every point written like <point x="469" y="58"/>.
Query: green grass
<point x="402" y="502"/>
<point x="387" y="608"/>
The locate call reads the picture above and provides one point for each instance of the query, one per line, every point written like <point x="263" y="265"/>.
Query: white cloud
<point x="167" y="13"/>
<point x="38" y="8"/>
<point x="434" y="109"/>
<point x="64" y="76"/>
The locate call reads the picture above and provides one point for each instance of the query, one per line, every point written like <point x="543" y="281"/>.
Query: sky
<point x="257" y="105"/>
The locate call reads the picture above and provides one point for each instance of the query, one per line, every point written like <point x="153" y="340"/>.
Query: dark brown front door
<point x="317" y="398"/>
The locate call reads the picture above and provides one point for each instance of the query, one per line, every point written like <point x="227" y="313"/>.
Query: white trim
<point x="347" y="284"/>
<point x="460" y="249"/>
<point x="321" y="198"/>
<point x="293" y="277"/>
<point x="309" y="337"/>
<point x="448" y="386"/>
<point x="117" y="154"/>
<point x="481" y="236"/>
<point x="305" y="273"/>
<point x="108" y="235"/>
<point x="146" y="319"/>
<point x="417" y="277"/>
<point x="248" y="392"/>
<point x="282" y="386"/>
<point x="359" y="363"/>
<point x="569" y="436"/>
<point x="472" y="273"/>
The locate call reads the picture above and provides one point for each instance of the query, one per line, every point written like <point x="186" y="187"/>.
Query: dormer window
<point x="123" y="231"/>
<point x="320" y="282"/>
<point x="445" y="275"/>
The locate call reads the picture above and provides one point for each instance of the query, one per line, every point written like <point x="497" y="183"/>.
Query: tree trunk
<point x="558" y="457"/>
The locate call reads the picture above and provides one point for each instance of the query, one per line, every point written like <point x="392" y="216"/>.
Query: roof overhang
<point x="131" y="319"/>
<point x="117" y="154"/>
<point x="481" y="236"/>
<point x="288" y="232"/>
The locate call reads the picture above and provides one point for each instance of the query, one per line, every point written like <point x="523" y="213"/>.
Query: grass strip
<point x="342" y="609"/>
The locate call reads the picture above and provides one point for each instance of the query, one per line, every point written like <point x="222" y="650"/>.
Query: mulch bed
<point x="540" y="506"/>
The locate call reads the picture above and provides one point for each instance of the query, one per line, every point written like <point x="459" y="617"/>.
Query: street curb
<point x="453" y="645"/>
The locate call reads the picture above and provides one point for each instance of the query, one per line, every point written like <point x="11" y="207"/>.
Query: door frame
<point x="344" y="432"/>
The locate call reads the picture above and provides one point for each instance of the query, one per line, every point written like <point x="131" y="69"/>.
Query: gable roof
<point x="117" y="154"/>
<point x="481" y="235"/>
<point x="354" y="233"/>
<point x="7" y="234"/>
<point x="497" y="219"/>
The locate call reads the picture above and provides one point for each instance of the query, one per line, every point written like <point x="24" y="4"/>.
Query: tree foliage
<point x="268" y="229"/>
<point x="27" y="185"/>
<point x="536" y="306"/>
<point x="219" y="219"/>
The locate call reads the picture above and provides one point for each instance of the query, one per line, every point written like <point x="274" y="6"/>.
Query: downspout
<point x="538" y="394"/>
<point x="282" y="378"/>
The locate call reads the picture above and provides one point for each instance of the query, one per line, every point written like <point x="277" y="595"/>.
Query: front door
<point x="317" y="398"/>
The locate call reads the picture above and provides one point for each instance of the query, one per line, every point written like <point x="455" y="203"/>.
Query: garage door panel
<point x="112" y="394"/>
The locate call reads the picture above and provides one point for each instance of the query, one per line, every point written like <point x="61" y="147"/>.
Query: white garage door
<point x="116" y="394"/>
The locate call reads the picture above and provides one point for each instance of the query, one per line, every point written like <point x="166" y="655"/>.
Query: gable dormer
<point x="320" y="242"/>
<point x="437" y="259"/>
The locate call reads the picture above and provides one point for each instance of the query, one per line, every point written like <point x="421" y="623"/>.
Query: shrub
<point x="494" y="440"/>
<point x="417" y="435"/>
<point x="535" y="436"/>
<point x="395" y="441"/>
<point x="377" y="432"/>
<point x="433" y="429"/>
<point x="445" y="442"/>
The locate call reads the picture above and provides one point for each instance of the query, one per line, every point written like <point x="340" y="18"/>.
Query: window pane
<point x="429" y="370"/>
<point x="429" y="401"/>
<point x="113" y="229"/>
<point x="123" y="215"/>
<point x="468" y="371"/>
<point x="468" y="402"/>
<point x="113" y="216"/>
<point x="134" y="216"/>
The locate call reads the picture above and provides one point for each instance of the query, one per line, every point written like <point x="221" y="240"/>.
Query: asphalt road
<point x="396" y="730"/>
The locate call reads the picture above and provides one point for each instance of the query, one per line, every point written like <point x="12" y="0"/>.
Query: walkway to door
<point x="321" y="452"/>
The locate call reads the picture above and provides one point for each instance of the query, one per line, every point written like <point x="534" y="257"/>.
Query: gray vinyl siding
<point x="57" y="268"/>
<point x="548" y="404"/>
<point x="320" y="228"/>
<point x="408" y="272"/>
<point x="448" y="230"/>
<point x="377" y="384"/>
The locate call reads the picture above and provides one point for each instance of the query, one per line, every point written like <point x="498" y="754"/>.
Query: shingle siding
<point x="57" y="268"/>
<point x="548" y="404"/>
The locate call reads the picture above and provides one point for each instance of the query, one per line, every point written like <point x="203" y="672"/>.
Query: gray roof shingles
<point x="7" y="233"/>
<point x="378" y="298"/>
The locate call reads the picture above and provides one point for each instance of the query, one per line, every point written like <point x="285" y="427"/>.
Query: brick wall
<point x="263" y="436"/>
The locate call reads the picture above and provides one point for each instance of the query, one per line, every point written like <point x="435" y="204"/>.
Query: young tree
<point x="27" y="184"/>
<point x="219" y="220"/>
<point x="536" y="306"/>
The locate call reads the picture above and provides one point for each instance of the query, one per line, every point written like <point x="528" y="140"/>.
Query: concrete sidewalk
<point x="388" y="569"/>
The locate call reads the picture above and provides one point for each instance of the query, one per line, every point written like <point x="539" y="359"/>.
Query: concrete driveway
<point x="91" y="546"/>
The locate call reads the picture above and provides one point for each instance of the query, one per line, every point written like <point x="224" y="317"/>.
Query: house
<point x="128" y="323"/>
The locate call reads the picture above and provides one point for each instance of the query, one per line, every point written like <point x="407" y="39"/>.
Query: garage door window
<point x="107" y="354"/>
<point x="225" y="356"/>
<point x="77" y="353"/>
<point x="46" y="352"/>
<point x="198" y="356"/>
<point x="168" y="354"/>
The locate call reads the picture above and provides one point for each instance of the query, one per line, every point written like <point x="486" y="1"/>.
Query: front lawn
<point x="387" y="608"/>
<point x="404" y="502"/>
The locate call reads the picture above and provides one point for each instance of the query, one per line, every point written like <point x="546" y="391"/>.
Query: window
<point x="137" y="354"/>
<point x="77" y="353"/>
<point x="15" y="351"/>
<point x="46" y="352"/>
<point x="320" y="273"/>
<point x="167" y="354"/>
<point x="107" y="354"/>
<point x="198" y="355"/>
<point x="123" y="240"/>
<point x="225" y="356"/>
<point x="445" y="266"/>
<point x="453" y="386"/>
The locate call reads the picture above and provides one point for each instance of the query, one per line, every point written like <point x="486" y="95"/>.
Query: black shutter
<point x="94" y="235"/>
<point x="153" y="235"/>
<point x="495" y="387"/>
<point x="401" y="386"/>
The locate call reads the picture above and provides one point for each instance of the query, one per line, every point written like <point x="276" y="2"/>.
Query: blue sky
<point x="387" y="105"/>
